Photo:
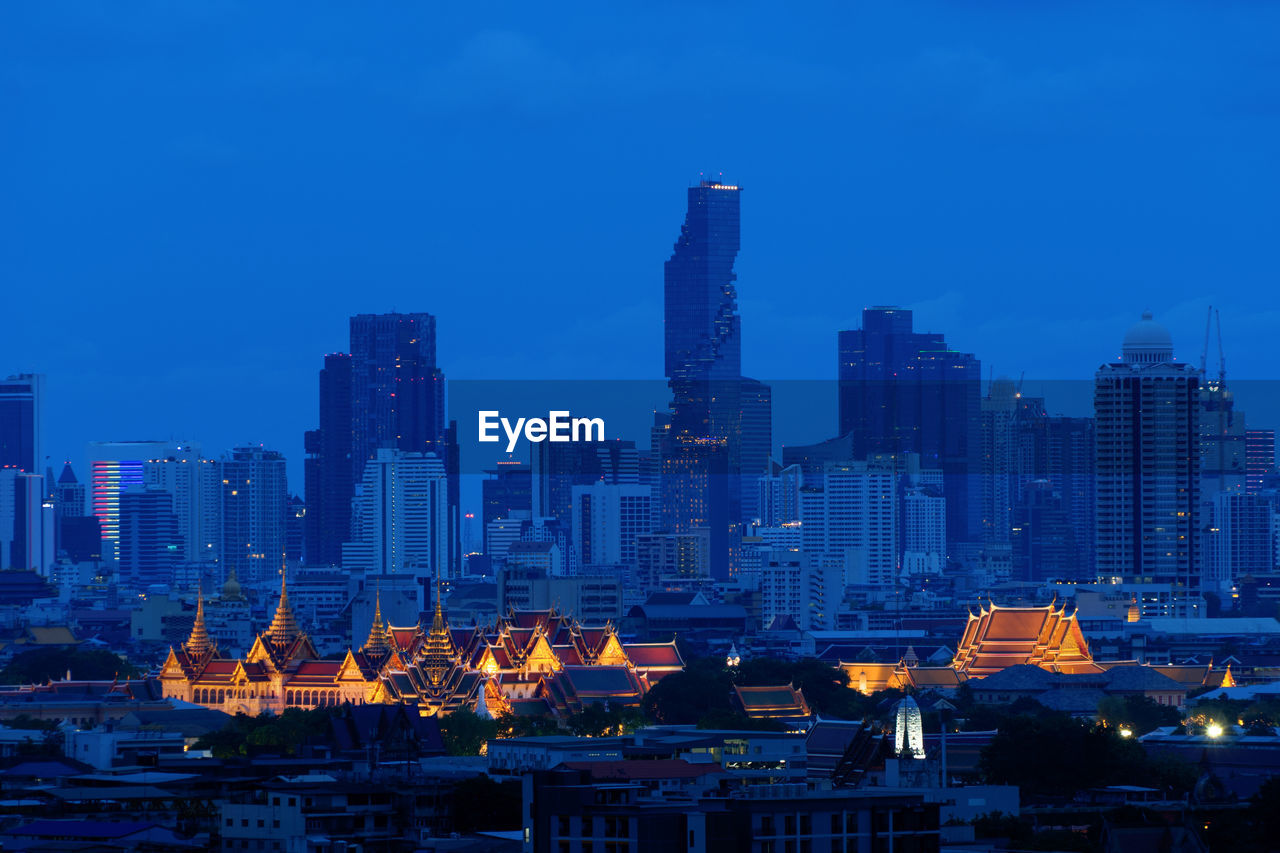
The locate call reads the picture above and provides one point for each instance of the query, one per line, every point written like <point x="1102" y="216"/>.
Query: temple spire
<point x="199" y="643"/>
<point x="377" y="642"/>
<point x="284" y="627"/>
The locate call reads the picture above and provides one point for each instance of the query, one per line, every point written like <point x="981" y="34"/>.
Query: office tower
<point x="397" y="389"/>
<point x="151" y="540"/>
<point x="506" y="488"/>
<point x="254" y="501"/>
<point x="26" y="522"/>
<point x="757" y="442"/>
<point x="902" y="391"/>
<point x="850" y="517"/>
<point x="295" y="522"/>
<point x="703" y="444"/>
<point x="1147" y="408"/>
<point x="1239" y="540"/>
<point x="1070" y="467"/>
<point x="328" y="469"/>
<point x="21" y="413"/>
<point x="194" y="483"/>
<point x="1043" y="540"/>
<point x="1260" y="457"/>
<point x="499" y="533"/>
<point x="1013" y="454"/>
<point x="401" y="518"/>
<point x="794" y="584"/>
<point x="778" y="495"/>
<point x="607" y="521"/>
<point x="113" y="467"/>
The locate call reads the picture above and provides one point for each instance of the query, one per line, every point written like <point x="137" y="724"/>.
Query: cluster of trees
<point x="52" y="663"/>
<point x="1050" y="754"/>
<point x="701" y="694"/>
<point x="465" y="733"/>
<point x="282" y="735"/>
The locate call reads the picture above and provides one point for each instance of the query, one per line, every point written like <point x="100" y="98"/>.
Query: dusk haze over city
<point x="581" y="428"/>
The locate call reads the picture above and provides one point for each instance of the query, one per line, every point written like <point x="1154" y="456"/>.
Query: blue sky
<point x="197" y="195"/>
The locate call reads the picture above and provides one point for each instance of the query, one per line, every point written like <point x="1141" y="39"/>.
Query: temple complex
<point x="529" y="662"/>
<point x="1001" y="637"/>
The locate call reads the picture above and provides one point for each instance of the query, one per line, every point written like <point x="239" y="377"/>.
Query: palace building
<point x="529" y="662"/>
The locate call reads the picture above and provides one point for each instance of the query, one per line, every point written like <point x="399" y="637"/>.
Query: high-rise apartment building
<point x="851" y="518"/>
<point x="401" y="518"/>
<point x="607" y="521"/>
<point x="254" y="504"/>
<point x="902" y="391"/>
<point x="1147" y="408"/>
<point x="1260" y="457"/>
<point x="194" y="484"/>
<point x="21" y="413"/>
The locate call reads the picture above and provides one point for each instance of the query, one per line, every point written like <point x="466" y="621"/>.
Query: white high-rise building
<point x="401" y="517"/>
<point x="924" y="533"/>
<point x="1147" y="407"/>
<point x="26" y="522"/>
<point x="607" y="519"/>
<point x="194" y="484"/>
<point x="853" y="519"/>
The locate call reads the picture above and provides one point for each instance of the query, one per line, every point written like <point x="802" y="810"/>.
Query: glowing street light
<point x="1125" y="731"/>
<point x="1214" y="730"/>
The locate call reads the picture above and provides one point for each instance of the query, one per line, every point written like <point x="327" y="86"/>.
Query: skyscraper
<point x="1071" y="468"/>
<point x="113" y="467"/>
<point x="193" y="483"/>
<point x="254" y="504"/>
<point x="401" y="514"/>
<point x="26" y="521"/>
<point x="328" y="468"/>
<point x="703" y="363"/>
<point x="21" y="409"/>
<point x="1147" y="408"/>
<point x="1260" y="457"/>
<point x="397" y="389"/>
<point x="151" y="545"/>
<point x="902" y="391"/>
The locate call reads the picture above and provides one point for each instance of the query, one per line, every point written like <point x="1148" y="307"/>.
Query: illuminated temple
<point x="993" y="639"/>
<point x="527" y="663"/>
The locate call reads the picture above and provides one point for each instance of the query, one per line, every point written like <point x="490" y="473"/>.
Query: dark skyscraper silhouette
<point x="397" y="390"/>
<point x="328" y="471"/>
<point x="902" y="391"/>
<point x="703" y="463"/>
<point x="388" y="393"/>
<point x="20" y="410"/>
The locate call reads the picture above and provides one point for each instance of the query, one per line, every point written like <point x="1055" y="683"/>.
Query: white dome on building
<point x="1147" y="342"/>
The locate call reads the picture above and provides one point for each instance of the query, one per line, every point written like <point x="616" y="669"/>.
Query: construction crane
<point x="1213" y="322"/>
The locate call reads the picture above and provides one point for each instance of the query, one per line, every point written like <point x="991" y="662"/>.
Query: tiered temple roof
<point x="1000" y="637"/>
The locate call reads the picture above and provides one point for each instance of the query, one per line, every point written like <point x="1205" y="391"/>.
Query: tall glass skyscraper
<point x="328" y="467"/>
<point x="21" y="402"/>
<point x="702" y="450"/>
